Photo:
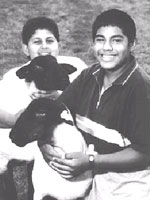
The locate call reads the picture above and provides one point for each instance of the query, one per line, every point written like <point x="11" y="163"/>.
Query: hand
<point x="48" y="152"/>
<point x="73" y="165"/>
<point x="46" y="94"/>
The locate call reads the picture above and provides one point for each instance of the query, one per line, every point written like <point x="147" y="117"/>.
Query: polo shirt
<point x="123" y="108"/>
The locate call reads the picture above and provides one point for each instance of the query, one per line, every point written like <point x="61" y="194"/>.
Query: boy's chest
<point x="109" y="108"/>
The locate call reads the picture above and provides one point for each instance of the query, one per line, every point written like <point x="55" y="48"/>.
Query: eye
<point x="38" y="68"/>
<point x="117" y="40"/>
<point x="49" y="41"/>
<point x="40" y="114"/>
<point x="37" y="42"/>
<point x="99" y="39"/>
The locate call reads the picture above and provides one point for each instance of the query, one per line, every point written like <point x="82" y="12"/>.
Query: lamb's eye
<point x="40" y="114"/>
<point x="37" y="67"/>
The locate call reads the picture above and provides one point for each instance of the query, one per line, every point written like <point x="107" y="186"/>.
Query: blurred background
<point x="74" y="18"/>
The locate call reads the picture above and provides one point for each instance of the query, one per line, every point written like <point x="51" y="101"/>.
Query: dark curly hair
<point x="39" y="23"/>
<point x="115" y="17"/>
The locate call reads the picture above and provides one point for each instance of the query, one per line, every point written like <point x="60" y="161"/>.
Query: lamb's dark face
<point x="36" y="121"/>
<point x="47" y="73"/>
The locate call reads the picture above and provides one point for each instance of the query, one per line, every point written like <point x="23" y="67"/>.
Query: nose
<point x="107" y="45"/>
<point x="44" y="44"/>
<point x="44" y="49"/>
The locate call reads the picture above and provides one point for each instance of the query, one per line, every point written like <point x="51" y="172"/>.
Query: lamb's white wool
<point x="76" y="62"/>
<point x="9" y="151"/>
<point x="70" y="140"/>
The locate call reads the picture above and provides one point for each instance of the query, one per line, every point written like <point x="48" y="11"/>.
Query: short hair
<point x="39" y="23"/>
<point x="115" y="17"/>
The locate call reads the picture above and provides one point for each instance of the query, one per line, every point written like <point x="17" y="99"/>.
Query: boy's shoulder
<point x="78" y="63"/>
<point x="12" y="72"/>
<point x="72" y="60"/>
<point x="91" y="69"/>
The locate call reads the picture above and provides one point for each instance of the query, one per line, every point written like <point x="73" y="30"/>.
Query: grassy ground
<point x="74" y="18"/>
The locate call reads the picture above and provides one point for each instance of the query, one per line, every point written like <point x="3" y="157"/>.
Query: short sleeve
<point x="14" y="92"/>
<point x="140" y="118"/>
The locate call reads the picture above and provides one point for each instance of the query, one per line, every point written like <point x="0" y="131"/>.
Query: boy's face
<point x="111" y="47"/>
<point x="42" y="42"/>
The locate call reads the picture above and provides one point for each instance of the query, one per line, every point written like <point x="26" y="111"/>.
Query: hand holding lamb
<point x="45" y="118"/>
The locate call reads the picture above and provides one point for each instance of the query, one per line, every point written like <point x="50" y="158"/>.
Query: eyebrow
<point x="49" y="37"/>
<point x="121" y="36"/>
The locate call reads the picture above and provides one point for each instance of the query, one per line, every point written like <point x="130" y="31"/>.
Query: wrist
<point x="91" y="155"/>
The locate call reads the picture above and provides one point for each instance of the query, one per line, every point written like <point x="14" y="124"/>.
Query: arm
<point x="7" y="120"/>
<point x="122" y="161"/>
<point x="126" y="160"/>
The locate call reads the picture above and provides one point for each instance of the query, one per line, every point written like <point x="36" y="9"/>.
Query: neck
<point x="111" y="75"/>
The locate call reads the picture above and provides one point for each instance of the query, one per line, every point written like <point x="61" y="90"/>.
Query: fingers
<point x="73" y="155"/>
<point x="48" y="152"/>
<point x="64" y="171"/>
<point x="60" y="166"/>
<point x="46" y="94"/>
<point x="63" y="162"/>
<point x="38" y="94"/>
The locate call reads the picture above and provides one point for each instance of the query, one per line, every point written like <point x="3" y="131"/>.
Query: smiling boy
<point x="111" y="101"/>
<point x="40" y="37"/>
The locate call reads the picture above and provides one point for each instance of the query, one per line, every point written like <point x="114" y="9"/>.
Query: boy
<point x="40" y="36"/>
<point x="111" y="101"/>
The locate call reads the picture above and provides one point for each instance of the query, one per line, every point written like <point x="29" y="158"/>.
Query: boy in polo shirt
<point x="111" y="102"/>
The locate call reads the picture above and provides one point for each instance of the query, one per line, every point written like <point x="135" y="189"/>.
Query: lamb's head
<point x="46" y="73"/>
<point x="38" y="121"/>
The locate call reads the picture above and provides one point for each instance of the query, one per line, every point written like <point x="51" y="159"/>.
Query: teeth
<point x="44" y="54"/>
<point x="108" y="57"/>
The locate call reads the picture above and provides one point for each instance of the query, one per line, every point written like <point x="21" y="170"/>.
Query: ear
<point x="23" y="72"/>
<point x="132" y="45"/>
<point x="69" y="69"/>
<point x="25" y="49"/>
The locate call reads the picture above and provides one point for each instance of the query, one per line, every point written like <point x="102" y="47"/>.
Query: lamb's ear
<point x="69" y="69"/>
<point x="23" y="72"/>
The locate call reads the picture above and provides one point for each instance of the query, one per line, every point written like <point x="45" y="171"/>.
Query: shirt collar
<point x="123" y="78"/>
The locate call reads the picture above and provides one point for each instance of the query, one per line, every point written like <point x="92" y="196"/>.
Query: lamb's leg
<point x="7" y="186"/>
<point x="2" y="188"/>
<point x="30" y="184"/>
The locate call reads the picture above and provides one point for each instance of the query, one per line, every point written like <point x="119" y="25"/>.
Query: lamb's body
<point x="46" y="181"/>
<point x="9" y="151"/>
<point x="68" y="139"/>
<point x="64" y="137"/>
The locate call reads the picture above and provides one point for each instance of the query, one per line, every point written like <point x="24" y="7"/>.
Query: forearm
<point x="7" y="120"/>
<point x="125" y="160"/>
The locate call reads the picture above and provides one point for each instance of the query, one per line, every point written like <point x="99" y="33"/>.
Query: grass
<point x="74" y="18"/>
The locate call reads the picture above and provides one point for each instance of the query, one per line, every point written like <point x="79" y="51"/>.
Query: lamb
<point x="48" y="118"/>
<point x="46" y="73"/>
